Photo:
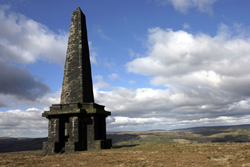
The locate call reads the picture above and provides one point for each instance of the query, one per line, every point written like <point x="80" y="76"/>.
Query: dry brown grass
<point x="182" y="141"/>
<point x="224" y="134"/>
<point x="195" y="155"/>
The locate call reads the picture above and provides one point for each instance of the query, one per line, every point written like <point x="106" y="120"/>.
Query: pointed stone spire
<point x="77" y="80"/>
<point x="77" y="123"/>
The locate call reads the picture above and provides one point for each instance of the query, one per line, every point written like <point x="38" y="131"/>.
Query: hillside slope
<point x="186" y="155"/>
<point x="238" y="134"/>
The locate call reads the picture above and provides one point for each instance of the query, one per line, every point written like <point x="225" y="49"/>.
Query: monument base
<point x="76" y="127"/>
<point x="100" y="144"/>
<point x="52" y="147"/>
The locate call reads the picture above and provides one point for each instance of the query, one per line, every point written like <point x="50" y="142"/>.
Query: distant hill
<point x="8" y="144"/>
<point x="216" y="127"/>
<point x="235" y="133"/>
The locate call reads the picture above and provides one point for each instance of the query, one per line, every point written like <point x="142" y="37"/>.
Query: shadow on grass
<point x="117" y="138"/>
<point x="209" y="132"/>
<point x="230" y="138"/>
<point x="121" y="146"/>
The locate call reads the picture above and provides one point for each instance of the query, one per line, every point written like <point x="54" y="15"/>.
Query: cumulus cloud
<point x="170" y="103"/>
<point x="206" y="79"/>
<point x="48" y="99"/>
<point x="20" y="83"/>
<point x="140" y="109"/>
<point x="132" y="82"/>
<point x="20" y="123"/>
<point x="135" y="124"/>
<point x="113" y="76"/>
<point x="93" y="54"/>
<point x="132" y="54"/>
<point x="204" y="76"/>
<point x="27" y="123"/>
<point x="200" y="60"/>
<point x="147" y="108"/>
<point x="184" y="6"/>
<point x="186" y="26"/>
<point x="100" y="83"/>
<point x="101" y="33"/>
<point x="24" y="40"/>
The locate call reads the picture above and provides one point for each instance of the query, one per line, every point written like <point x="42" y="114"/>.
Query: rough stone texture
<point x="77" y="81"/>
<point x="77" y="127"/>
<point x="77" y="123"/>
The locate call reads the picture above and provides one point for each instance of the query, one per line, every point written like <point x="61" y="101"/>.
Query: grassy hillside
<point x="20" y="144"/>
<point x="186" y="155"/>
<point x="238" y="134"/>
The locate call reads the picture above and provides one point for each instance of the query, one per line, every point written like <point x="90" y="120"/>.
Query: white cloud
<point x="140" y="124"/>
<point x="29" y="122"/>
<point x="19" y="123"/>
<point x="132" y="54"/>
<point x="147" y="108"/>
<point x="132" y="82"/>
<point x="49" y="99"/>
<point x="24" y="40"/>
<point x="204" y="76"/>
<point x="198" y="60"/>
<point x="140" y="109"/>
<point x="101" y="34"/>
<point x="93" y="54"/>
<point x="100" y="83"/>
<point x="184" y="6"/>
<point x="136" y="124"/>
<point x="113" y="76"/>
<point x="186" y="26"/>
<point x="170" y="103"/>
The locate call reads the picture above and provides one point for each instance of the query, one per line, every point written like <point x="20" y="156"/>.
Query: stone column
<point x="53" y="136"/>
<point x="73" y="130"/>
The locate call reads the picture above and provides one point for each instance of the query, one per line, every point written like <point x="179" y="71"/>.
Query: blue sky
<point x="156" y="64"/>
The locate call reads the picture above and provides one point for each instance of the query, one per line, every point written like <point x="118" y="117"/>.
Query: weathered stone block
<point x="100" y="144"/>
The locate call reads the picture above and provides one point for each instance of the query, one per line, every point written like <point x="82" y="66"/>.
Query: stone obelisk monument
<point x="78" y="123"/>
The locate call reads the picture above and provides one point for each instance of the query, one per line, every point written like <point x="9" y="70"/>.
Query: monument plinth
<point x="77" y="123"/>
